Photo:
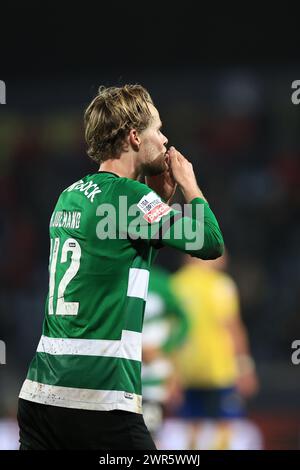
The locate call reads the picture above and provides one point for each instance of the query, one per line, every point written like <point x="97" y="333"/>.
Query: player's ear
<point x="134" y="139"/>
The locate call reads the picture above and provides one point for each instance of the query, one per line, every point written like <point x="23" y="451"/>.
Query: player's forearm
<point x="191" y="192"/>
<point x="239" y="337"/>
<point x="198" y="235"/>
<point x="213" y="246"/>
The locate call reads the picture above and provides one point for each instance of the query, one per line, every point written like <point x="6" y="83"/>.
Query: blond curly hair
<point x="111" y="115"/>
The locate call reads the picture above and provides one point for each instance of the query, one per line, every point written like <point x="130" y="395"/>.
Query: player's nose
<point x="165" y="140"/>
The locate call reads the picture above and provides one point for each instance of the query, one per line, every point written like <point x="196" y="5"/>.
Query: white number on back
<point x="62" y="307"/>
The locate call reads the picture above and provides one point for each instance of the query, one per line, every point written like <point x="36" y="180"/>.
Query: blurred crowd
<point x="240" y="130"/>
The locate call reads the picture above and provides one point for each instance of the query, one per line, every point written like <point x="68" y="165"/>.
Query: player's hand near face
<point x="164" y="184"/>
<point x="183" y="173"/>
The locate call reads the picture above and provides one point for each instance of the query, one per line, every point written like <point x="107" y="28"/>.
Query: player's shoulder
<point x="225" y="283"/>
<point x="223" y="277"/>
<point x="137" y="193"/>
<point x="180" y="279"/>
<point x="184" y="272"/>
<point x="133" y="186"/>
<point x="87" y="188"/>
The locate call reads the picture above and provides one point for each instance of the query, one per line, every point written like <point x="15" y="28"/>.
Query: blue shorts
<point x="211" y="403"/>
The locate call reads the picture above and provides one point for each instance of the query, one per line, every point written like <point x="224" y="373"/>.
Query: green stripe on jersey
<point x="97" y="373"/>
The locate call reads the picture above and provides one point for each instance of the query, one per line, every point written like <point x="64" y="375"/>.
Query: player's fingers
<point x="179" y="155"/>
<point x="174" y="156"/>
<point x="172" y="152"/>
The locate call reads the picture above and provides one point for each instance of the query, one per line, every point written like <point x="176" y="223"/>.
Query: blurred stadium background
<point x="224" y="94"/>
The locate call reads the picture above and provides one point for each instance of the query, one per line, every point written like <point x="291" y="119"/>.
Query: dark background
<point x="80" y="38"/>
<point x="222" y="84"/>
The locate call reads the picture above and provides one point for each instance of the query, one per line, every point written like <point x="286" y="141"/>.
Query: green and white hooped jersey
<point x="89" y="355"/>
<point x="103" y="234"/>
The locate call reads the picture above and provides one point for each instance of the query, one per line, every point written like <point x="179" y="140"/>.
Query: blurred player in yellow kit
<point x="215" y="365"/>
<point x="164" y="332"/>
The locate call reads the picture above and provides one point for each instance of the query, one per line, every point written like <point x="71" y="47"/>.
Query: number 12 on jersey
<point x="62" y="307"/>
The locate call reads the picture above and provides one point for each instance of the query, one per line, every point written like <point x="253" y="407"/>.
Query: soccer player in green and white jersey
<point x="83" y="388"/>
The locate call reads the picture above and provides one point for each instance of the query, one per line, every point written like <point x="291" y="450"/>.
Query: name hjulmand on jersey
<point x="66" y="219"/>
<point x="89" y="189"/>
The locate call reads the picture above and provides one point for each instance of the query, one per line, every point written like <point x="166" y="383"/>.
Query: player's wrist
<point x="191" y="192"/>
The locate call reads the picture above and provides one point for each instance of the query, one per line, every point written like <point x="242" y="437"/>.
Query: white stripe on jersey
<point x="138" y="283"/>
<point x="129" y="347"/>
<point x="81" y="398"/>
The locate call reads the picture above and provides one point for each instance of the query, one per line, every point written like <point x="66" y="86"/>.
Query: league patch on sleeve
<point x="153" y="207"/>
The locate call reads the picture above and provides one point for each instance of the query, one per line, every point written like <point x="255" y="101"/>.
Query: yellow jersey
<point x="210" y="298"/>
